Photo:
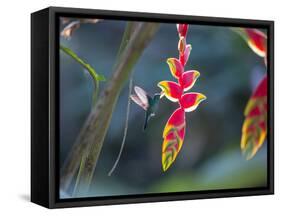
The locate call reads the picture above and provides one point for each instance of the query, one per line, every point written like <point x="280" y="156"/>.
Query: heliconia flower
<point x="255" y="39"/>
<point x="174" y="130"/>
<point x="176" y="67"/>
<point x="188" y="79"/>
<point x="182" y="29"/>
<point x="171" y="90"/>
<point x="190" y="101"/>
<point x="173" y="136"/>
<point x="183" y="57"/>
<point x="254" y="128"/>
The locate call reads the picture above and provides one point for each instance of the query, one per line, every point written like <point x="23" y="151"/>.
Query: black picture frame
<point x="45" y="100"/>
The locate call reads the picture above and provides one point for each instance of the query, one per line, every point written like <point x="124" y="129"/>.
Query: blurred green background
<point x="210" y="157"/>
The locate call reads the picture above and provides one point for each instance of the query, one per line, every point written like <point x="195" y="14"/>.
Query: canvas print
<point x="151" y="108"/>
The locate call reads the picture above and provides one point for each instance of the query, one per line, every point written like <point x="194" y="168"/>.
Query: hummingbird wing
<point x="140" y="98"/>
<point x="142" y="94"/>
<point x="138" y="101"/>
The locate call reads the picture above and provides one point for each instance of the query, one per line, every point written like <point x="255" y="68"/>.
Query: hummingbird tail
<point x="145" y="121"/>
<point x="144" y="126"/>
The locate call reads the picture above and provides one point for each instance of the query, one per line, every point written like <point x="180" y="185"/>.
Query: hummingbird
<point x="148" y="103"/>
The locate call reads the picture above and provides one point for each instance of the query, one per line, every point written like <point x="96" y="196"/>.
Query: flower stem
<point x="125" y="129"/>
<point x="96" y="77"/>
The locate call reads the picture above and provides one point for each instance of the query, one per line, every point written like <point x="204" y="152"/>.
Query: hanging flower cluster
<point x="254" y="128"/>
<point x="174" y="130"/>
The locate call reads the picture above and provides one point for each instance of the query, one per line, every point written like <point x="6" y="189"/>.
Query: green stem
<point x="125" y="128"/>
<point x="96" y="77"/>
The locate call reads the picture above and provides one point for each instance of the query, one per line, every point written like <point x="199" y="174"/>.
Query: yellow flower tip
<point x="166" y="166"/>
<point x="249" y="157"/>
<point x="248" y="154"/>
<point x="163" y="86"/>
<point x="201" y="98"/>
<point x="243" y="143"/>
<point x="169" y="60"/>
<point x="249" y="150"/>
<point x="171" y="64"/>
<point x="196" y="74"/>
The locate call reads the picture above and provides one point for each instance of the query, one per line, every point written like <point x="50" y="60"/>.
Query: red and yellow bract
<point x="254" y="129"/>
<point x="257" y="41"/>
<point x="174" y="130"/>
